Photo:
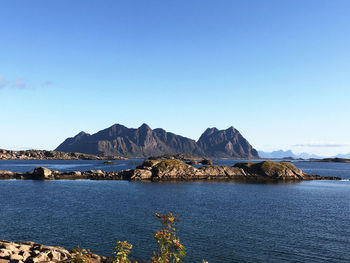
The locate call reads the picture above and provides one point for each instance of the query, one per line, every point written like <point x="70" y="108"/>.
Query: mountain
<point x="346" y="156"/>
<point x="287" y="153"/>
<point x="226" y="143"/>
<point x="277" y="154"/>
<point x="145" y="142"/>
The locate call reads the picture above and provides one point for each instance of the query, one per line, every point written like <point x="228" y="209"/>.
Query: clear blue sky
<point x="278" y="71"/>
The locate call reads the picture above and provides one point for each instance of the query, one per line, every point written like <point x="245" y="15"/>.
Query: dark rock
<point x="42" y="173"/>
<point x="109" y="162"/>
<point x="206" y="162"/>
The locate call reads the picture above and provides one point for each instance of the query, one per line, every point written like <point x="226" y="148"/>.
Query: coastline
<point x="53" y="155"/>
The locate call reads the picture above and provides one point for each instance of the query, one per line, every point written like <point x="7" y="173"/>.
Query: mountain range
<point x="286" y="154"/>
<point x="146" y="142"/>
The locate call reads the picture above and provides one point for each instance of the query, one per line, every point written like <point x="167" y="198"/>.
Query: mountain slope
<point x="226" y="143"/>
<point x="145" y="142"/>
<point x="141" y="142"/>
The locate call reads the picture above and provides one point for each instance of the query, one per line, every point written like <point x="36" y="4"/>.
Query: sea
<point x="306" y="221"/>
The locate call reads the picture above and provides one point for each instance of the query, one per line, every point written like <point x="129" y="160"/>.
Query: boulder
<point x="6" y="175"/>
<point x="136" y="174"/>
<point x="206" y="162"/>
<point x="42" y="173"/>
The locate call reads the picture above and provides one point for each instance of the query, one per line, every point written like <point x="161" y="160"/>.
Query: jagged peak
<point x="80" y="134"/>
<point x="211" y="130"/>
<point x="117" y="125"/>
<point x="144" y="126"/>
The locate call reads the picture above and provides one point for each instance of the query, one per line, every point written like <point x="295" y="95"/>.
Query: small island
<point x="177" y="170"/>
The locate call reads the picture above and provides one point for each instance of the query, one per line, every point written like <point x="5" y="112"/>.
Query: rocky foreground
<point x="31" y="252"/>
<point x="172" y="170"/>
<point x="53" y="155"/>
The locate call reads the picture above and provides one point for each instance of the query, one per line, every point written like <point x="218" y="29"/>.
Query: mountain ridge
<point x="145" y="142"/>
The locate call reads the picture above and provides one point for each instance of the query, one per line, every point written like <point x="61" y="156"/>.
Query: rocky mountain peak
<point x="145" y="142"/>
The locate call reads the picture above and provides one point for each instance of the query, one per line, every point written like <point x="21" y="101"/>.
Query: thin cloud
<point x="18" y="84"/>
<point x="47" y="83"/>
<point x="3" y="82"/>
<point x="321" y="145"/>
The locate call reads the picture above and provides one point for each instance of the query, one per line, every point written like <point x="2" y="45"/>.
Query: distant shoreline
<point x="53" y="155"/>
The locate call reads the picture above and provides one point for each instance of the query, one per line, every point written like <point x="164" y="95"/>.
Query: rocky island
<point x="177" y="170"/>
<point x="53" y="155"/>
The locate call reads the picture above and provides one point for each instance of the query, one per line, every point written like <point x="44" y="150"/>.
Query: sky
<point x="278" y="71"/>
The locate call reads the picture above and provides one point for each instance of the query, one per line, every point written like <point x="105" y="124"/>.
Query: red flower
<point x="178" y="244"/>
<point x="161" y="232"/>
<point x="166" y="260"/>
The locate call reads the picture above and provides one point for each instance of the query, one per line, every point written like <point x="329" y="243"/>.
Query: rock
<point x="137" y="174"/>
<point x="16" y="257"/>
<point x="109" y="162"/>
<point x="206" y="162"/>
<point x="53" y="155"/>
<point x="192" y="162"/>
<point x="170" y="169"/>
<point x="31" y="252"/>
<point x="272" y="170"/>
<point x="6" y="175"/>
<point x="42" y="173"/>
<point x="5" y="253"/>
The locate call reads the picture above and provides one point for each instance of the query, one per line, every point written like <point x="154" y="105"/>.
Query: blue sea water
<point x="220" y="222"/>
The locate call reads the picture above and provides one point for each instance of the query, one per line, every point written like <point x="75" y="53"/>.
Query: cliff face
<point x="226" y="143"/>
<point x="145" y="142"/>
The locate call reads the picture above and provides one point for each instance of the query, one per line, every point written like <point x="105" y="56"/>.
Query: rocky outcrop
<point x="31" y="252"/>
<point x="53" y="155"/>
<point x="166" y="170"/>
<point x="226" y="143"/>
<point x="188" y="159"/>
<point x="145" y="142"/>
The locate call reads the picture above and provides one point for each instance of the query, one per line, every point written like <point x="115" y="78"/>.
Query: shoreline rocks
<point x="53" y="155"/>
<point x="177" y="170"/>
<point x="32" y="252"/>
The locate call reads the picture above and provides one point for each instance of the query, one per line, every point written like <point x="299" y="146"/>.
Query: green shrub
<point x="169" y="248"/>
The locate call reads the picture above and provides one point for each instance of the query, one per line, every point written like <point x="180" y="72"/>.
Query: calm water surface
<point x="220" y="222"/>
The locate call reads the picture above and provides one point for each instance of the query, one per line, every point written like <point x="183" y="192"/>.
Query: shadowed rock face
<point x="145" y="142"/>
<point x="226" y="143"/>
